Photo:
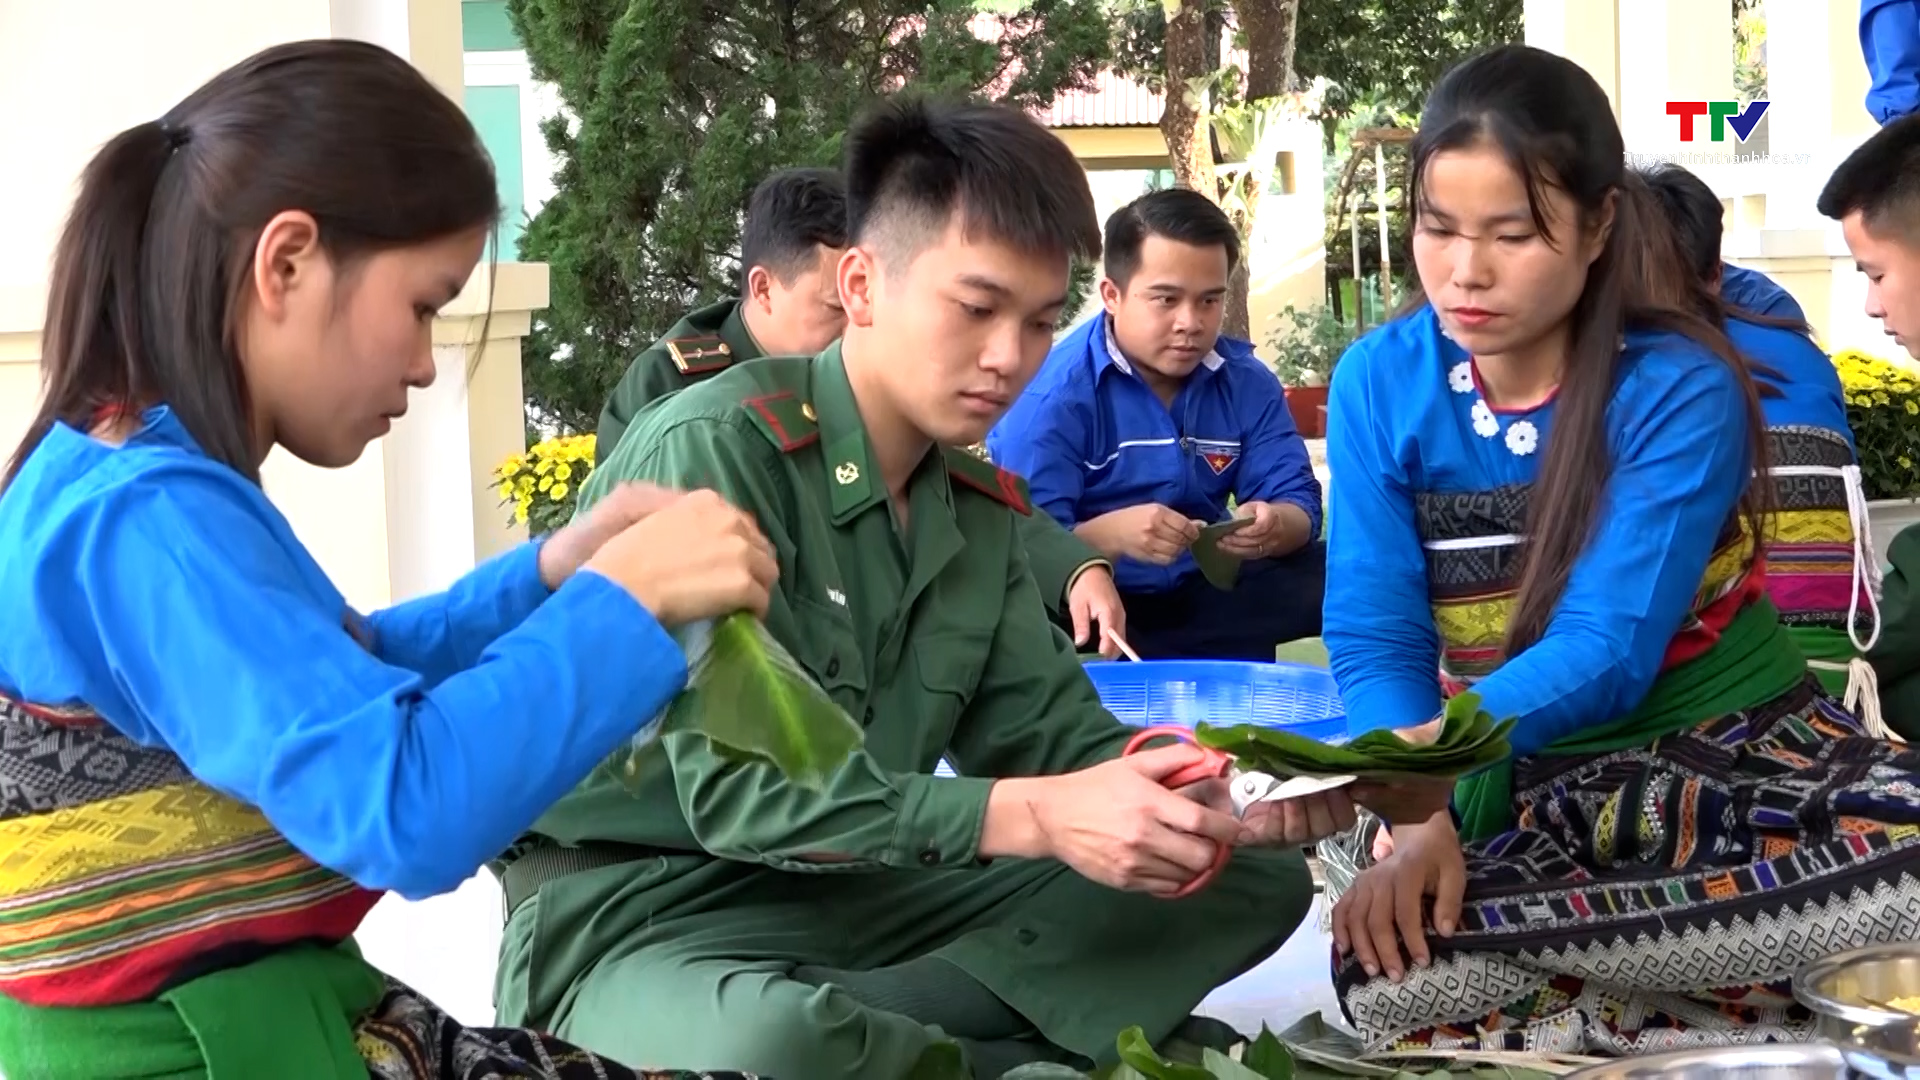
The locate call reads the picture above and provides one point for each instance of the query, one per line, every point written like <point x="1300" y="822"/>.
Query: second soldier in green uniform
<point x="789" y="305"/>
<point x="723" y="918"/>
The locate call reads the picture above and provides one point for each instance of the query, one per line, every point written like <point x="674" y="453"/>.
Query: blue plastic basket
<point x="1301" y="699"/>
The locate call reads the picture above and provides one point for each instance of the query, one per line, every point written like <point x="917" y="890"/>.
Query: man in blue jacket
<point x="1142" y="425"/>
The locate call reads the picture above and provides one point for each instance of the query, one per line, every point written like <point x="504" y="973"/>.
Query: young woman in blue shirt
<point x="217" y="766"/>
<point x="1541" y="481"/>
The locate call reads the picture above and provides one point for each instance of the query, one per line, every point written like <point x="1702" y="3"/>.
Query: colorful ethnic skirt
<point x="1662" y="897"/>
<point x="407" y="1038"/>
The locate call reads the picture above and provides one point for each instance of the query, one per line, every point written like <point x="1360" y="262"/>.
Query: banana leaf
<point x="1310" y="1050"/>
<point x="1220" y="569"/>
<point x="753" y="702"/>
<point x="1470" y="740"/>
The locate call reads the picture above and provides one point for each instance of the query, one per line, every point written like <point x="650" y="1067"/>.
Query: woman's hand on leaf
<point x="696" y="558"/>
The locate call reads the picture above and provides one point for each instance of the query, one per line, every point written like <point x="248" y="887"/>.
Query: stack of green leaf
<point x="754" y="702"/>
<point x="1470" y="740"/>
<point x="1309" y="1050"/>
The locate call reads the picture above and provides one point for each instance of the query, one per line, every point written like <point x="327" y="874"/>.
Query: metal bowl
<point x="1849" y="994"/>
<point x="1783" y="1061"/>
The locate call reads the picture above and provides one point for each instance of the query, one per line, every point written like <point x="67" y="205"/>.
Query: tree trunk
<point x="1189" y="141"/>
<point x="1269" y="28"/>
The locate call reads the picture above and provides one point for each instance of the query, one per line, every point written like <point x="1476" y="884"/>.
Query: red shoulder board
<point x="989" y="479"/>
<point x="784" y="419"/>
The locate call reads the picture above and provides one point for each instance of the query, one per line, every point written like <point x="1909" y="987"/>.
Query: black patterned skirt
<point x="1662" y="897"/>
<point x="407" y="1037"/>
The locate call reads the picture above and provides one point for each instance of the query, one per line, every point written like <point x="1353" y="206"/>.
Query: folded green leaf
<point x="1470" y="740"/>
<point x="753" y="701"/>
<point x="1268" y="1056"/>
<point x="1220" y="569"/>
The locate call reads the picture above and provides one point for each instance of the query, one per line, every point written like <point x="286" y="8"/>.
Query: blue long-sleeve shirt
<point x="1091" y="437"/>
<point x="1425" y="475"/>
<point x="165" y="592"/>
<point x="1758" y="293"/>
<point x="1809" y="384"/>
<point x="1890" y="42"/>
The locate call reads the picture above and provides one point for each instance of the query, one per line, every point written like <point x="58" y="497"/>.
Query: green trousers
<point x="665" y="964"/>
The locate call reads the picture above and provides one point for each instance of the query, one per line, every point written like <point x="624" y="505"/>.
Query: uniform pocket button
<point x="1025" y="936"/>
<point x="929" y="857"/>
<point x="833" y="667"/>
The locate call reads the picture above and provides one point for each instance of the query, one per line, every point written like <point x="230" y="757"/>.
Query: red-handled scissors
<point x="1247" y="787"/>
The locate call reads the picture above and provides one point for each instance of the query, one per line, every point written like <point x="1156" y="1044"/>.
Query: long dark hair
<point x="1556" y="128"/>
<point x="158" y="248"/>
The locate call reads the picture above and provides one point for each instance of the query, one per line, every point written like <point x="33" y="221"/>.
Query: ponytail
<point x="94" y="341"/>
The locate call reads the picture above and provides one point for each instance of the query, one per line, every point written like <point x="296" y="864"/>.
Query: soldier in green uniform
<point x="722" y="917"/>
<point x="789" y="305"/>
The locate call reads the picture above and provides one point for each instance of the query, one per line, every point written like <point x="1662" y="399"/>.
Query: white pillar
<point x="1584" y="31"/>
<point x="1674" y="52"/>
<point x="1818" y="84"/>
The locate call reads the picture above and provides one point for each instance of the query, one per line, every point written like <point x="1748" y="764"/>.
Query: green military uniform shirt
<point x="675" y="945"/>
<point x="712" y="339"/>
<point x="1896" y="656"/>
<point x="705" y="342"/>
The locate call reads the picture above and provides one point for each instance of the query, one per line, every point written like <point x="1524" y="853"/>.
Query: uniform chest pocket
<point x="950" y="664"/>
<point x="826" y="645"/>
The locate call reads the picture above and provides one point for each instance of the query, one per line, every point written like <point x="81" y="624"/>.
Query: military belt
<point x="522" y="877"/>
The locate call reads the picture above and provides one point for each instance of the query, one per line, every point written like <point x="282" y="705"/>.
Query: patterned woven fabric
<point x="1662" y="897"/>
<point x="1810" y="542"/>
<point x="1473" y="541"/>
<point x="407" y="1038"/>
<point x="121" y="875"/>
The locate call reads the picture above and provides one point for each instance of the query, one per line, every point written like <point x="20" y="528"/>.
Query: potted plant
<point x="1307" y="346"/>
<point x="542" y="486"/>
<point x="1883" y="409"/>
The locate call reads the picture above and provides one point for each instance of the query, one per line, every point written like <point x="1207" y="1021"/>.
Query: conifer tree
<point x="674" y="109"/>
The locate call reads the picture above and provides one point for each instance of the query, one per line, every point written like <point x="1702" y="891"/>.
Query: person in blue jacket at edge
<point x="1751" y="290"/>
<point x="1820" y="572"/>
<point x="1145" y="421"/>
<point x="1890" y="41"/>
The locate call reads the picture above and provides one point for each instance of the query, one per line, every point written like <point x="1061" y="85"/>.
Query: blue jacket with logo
<point x="1091" y="437"/>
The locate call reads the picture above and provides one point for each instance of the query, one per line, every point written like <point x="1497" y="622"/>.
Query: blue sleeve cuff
<point x="520" y="580"/>
<point x="595" y="613"/>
